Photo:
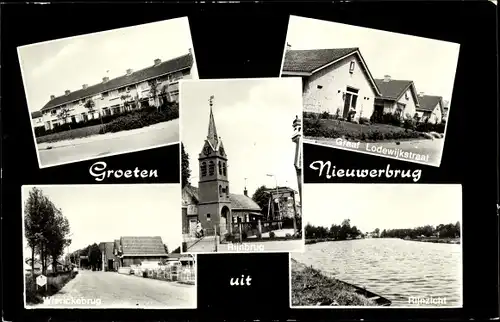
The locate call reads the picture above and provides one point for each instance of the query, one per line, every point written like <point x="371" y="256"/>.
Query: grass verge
<point x="35" y="294"/>
<point x="70" y="134"/>
<point x="311" y="288"/>
<point x="438" y="240"/>
<point x="328" y="128"/>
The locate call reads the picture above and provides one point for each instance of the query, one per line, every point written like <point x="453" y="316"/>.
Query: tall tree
<point x="63" y="115"/>
<point x="261" y="198"/>
<point x="186" y="171"/>
<point x="57" y="236"/>
<point x="90" y="106"/>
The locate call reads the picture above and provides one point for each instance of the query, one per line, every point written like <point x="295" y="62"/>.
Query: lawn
<point x="70" y="134"/>
<point x="329" y="128"/>
<point x="311" y="288"/>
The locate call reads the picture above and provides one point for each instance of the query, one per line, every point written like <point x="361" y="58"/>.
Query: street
<point x="116" y="290"/>
<point x="108" y="144"/>
<point x="432" y="148"/>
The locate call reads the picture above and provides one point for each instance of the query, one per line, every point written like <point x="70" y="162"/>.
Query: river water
<point x="393" y="268"/>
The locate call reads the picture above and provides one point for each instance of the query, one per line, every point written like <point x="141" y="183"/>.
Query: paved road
<point x="107" y="144"/>
<point x="432" y="148"/>
<point x="124" y="291"/>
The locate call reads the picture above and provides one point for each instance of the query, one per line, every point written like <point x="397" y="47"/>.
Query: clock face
<point x="206" y="150"/>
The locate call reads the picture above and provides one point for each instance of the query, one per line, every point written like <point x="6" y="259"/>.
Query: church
<point x="211" y="202"/>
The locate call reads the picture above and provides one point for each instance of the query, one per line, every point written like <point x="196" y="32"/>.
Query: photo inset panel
<point x="106" y="93"/>
<point x="381" y="245"/>
<point x="372" y="91"/>
<point x="105" y="246"/>
<point x="241" y="165"/>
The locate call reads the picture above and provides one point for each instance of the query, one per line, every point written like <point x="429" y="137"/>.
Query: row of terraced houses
<point x="112" y="96"/>
<point x="338" y="81"/>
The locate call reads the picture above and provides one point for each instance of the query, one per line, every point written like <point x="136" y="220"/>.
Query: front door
<point x="347" y="104"/>
<point x="110" y="264"/>
<point x="192" y="225"/>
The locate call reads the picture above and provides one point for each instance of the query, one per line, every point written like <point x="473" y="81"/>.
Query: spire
<point x="212" y="130"/>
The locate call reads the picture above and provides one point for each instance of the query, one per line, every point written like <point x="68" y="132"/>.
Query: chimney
<point x="67" y="92"/>
<point x="129" y="71"/>
<point x="420" y="94"/>
<point x="85" y="86"/>
<point x="52" y="97"/>
<point x="387" y="78"/>
<point x="245" y="192"/>
<point x="157" y="61"/>
<point x="105" y="79"/>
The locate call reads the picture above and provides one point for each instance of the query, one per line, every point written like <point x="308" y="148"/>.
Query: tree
<point x="36" y="207"/>
<point x="57" y="236"/>
<point x="95" y="257"/>
<point x="261" y="197"/>
<point x="154" y="92"/>
<point x="90" y="106"/>
<point x="166" y="248"/>
<point x="377" y="232"/>
<point x="63" y="115"/>
<point x="186" y="171"/>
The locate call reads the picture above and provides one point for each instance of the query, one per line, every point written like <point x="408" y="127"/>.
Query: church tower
<point x="214" y="207"/>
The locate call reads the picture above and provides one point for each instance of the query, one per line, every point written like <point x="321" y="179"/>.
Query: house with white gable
<point x="398" y="97"/>
<point x="336" y="81"/>
<point x="431" y="108"/>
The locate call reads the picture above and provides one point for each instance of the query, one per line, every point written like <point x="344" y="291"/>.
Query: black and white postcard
<point x="241" y="146"/>
<point x="105" y="246"/>
<point x="381" y="245"/>
<point x="372" y="91"/>
<point x="106" y="93"/>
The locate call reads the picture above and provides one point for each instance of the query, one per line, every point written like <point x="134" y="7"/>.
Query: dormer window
<point x="351" y="67"/>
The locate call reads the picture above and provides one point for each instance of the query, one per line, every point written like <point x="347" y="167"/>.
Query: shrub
<point x="229" y="237"/>
<point x="288" y="236"/>
<point x="364" y="120"/>
<point x="325" y="115"/>
<point x="244" y="235"/>
<point x="350" y="115"/>
<point x="272" y="235"/>
<point x="145" y="273"/>
<point x="410" y="123"/>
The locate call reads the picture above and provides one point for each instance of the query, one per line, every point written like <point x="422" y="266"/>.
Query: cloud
<point x="73" y="46"/>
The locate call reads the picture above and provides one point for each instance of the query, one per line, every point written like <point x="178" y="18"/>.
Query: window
<point x="320" y="87"/>
<point x="352" y="89"/>
<point x="227" y="191"/>
<point x="208" y="217"/>
<point x="220" y="190"/>
<point x="211" y="168"/>
<point x="121" y="90"/>
<point x="203" y="169"/>
<point x="105" y="94"/>
<point x="351" y="67"/>
<point x="224" y="169"/>
<point x="220" y="168"/>
<point x="53" y="112"/>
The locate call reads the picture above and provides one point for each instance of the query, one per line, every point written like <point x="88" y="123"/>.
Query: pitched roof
<point x="307" y="61"/>
<point x="237" y="201"/>
<point x="212" y="136"/>
<point x="142" y="246"/>
<point x="429" y="102"/>
<point x="243" y="202"/>
<point x="393" y="89"/>
<point x="163" y="68"/>
<point x="36" y="114"/>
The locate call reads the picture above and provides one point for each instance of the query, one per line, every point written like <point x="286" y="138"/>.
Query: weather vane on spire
<point x="211" y="100"/>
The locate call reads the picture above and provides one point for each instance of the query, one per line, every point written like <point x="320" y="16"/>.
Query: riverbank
<point x="437" y="240"/>
<point x="310" y="287"/>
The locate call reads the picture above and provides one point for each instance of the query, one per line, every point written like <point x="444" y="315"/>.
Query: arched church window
<point x="203" y="169"/>
<point x="220" y="190"/>
<point x="211" y="168"/>
<point x="220" y="168"/>
<point x="224" y="169"/>
<point x="227" y="190"/>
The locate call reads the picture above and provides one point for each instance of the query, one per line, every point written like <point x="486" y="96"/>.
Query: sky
<point x="51" y="67"/>
<point x="103" y="213"/>
<point x="383" y="206"/>
<point x="254" y="119"/>
<point x="430" y="63"/>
